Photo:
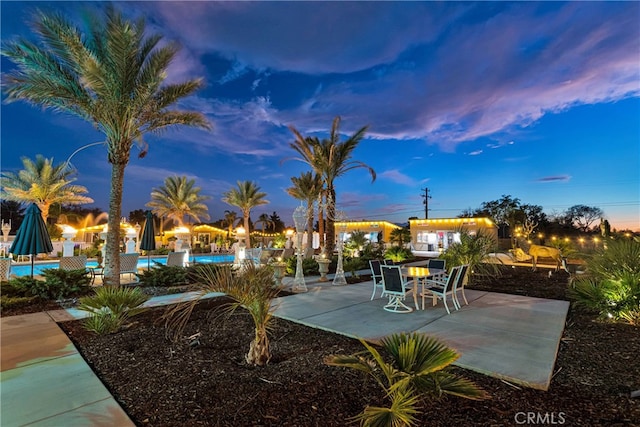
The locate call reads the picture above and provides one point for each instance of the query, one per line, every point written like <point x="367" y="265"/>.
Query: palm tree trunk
<point x="259" y="353"/>
<point x="331" y="215"/>
<point x="112" y="263"/>
<point x="247" y="237"/>
<point x="310" y="224"/>
<point x="321" y="226"/>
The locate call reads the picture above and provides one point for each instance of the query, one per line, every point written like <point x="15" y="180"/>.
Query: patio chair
<point x="376" y="274"/>
<point x="437" y="264"/>
<point x="129" y="265"/>
<point x="438" y="289"/>
<point x="176" y="259"/>
<point x="5" y="268"/>
<point x="459" y="286"/>
<point x="396" y="288"/>
<point x="78" y="262"/>
<point x="287" y="253"/>
<point x="387" y="262"/>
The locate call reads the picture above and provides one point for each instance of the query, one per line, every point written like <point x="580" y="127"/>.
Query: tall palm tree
<point x="44" y="184"/>
<point x="331" y="159"/>
<point x="179" y="198"/>
<point x="230" y="218"/>
<point x="112" y="76"/>
<point x="246" y="197"/>
<point x="307" y="187"/>
<point x="265" y="220"/>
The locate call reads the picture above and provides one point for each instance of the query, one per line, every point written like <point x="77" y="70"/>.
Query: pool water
<point x="25" y="270"/>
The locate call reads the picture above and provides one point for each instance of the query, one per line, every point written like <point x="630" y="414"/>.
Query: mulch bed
<point x="164" y="383"/>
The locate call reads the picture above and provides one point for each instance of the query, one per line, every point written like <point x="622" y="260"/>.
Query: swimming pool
<point x="25" y="269"/>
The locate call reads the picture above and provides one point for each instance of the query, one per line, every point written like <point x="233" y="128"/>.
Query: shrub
<point x="398" y="254"/>
<point x="352" y="265"/>
<point x="473" y="249"/>
<point x="418" y="368"/>
<point x="309" y="266"/>
<point x="111" y="307"/>
<point x="161" y="275"/>
<point x="58" y="284"/>
<point x="611" y="286"/>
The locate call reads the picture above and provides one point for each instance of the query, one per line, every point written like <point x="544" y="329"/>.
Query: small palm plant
<point x="252" y="288"/>
<point x="418" y="367"/>
<point x="111" y="307"/>
<point x="474" y="250"/>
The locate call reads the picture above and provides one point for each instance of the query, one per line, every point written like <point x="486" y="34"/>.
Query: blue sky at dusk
<point x="540" y="101"/>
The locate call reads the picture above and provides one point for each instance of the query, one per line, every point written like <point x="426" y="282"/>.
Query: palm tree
<point x="112" y="76"/>
<point x="400" y="236"/>
<point x="230" y="218"/>
<point x="307" y="187"/>
<point x="417" y="367"/>
<point x="265" y="220"/>
<point x="246" y="197"/>
<point x="331" y="159"/>
<point x="44" y="184"/>
<point x="179" y="198"/>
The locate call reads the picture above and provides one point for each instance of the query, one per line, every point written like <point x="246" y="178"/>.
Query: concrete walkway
<point x="45" y="382"/>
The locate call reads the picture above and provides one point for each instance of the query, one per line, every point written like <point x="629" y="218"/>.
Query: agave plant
<point x="251" y="288"/>
<point x="418" y="368"/>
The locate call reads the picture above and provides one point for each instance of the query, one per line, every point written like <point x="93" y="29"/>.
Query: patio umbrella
<point x="32" y="237"/>
<point x="148" y="239"/>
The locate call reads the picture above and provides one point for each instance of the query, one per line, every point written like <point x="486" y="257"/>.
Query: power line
<point x="426" y="198"/>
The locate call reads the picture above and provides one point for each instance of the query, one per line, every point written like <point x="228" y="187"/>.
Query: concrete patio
<point x="45" y="382"/>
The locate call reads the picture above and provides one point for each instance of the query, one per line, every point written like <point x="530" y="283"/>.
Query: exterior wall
<point x="371" y="227"/>
<point x="435" y="235"/>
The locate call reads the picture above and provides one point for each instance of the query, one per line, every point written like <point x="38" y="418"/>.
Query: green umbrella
<point x="148" y="239"/>
<point x="32" y="237"/>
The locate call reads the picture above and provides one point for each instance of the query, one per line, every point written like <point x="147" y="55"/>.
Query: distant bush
<point x="161" y="275"/>
<point x="398" y="254"/>
<point x="309" y="266"/>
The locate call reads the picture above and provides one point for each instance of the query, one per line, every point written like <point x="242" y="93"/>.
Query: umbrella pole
<point x="148" y="261"/>
<point x="31" y="256"/>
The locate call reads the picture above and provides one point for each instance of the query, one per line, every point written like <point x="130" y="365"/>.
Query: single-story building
<point x="429" y="237"/>
<point x="374" y="230"/>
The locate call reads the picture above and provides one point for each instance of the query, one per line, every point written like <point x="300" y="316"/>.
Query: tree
<point x="307" y="187"/>
<point x="502" y="211"/>
<point x="582" y="216"/>
<point x="44" y="184"/>
<point x="278" y="224"/>
<point x="265" y="220"/>
<point x="246" y="197"/>
<point x="400" y="236"/>
<point x="112" y="76"/>
<point x="138" y="216"/>
<point x="330" y="159"/>
<point x="230" y="218"/>
<point x="12" y="212"/>
<point x="179" y="198"/>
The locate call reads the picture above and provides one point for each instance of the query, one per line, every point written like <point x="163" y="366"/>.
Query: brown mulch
<point x="165" y="383"/>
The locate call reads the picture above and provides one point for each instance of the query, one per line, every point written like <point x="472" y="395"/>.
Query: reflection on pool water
<point x="25" y="270"/>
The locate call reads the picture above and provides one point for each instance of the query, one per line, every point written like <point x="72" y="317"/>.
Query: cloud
<point x="500" y="144"/>
<point x="154" y="175"/>
<point x="398" y="177"/>
<point x="475" y="153"/>
<point x="237" y="70"/>
<point x="560" y="178"/>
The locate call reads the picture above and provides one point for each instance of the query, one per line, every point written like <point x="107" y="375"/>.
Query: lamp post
<point x="68" y="233"/>
<point x="299" y="219"/>
<point x="131" y="244"/>
<point x="240" y="253"/>
<point x="138" y="228"/>
<point x="339" y="278"/>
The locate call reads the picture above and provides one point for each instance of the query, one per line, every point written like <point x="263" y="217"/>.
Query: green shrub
<point x="309" y="266"/>
<point x="611" y="286"/>
<point x="352" y="265"/>
<point x="61" y="284"/>
<point x="28" y="286"/>
<point x="417" y="369"/>
<point x="111" y="307"/>
<point x="161" y="275"/>
<point x="16" y="302"/>
<point x="398" y="254"/>
<point x="473" y="249"/>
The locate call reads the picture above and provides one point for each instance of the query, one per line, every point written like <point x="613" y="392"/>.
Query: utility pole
<point x="426" y="197"/>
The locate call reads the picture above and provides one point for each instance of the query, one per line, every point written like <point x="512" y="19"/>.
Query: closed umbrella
<point x="148" y="240"/>
<point x="32" y="237"/>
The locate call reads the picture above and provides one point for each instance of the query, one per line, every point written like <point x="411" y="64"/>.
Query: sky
<point x="472" y="101"/>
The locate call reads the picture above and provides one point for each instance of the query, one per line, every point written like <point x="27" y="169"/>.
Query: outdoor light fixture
<point x="299" y="219"/>
<point x="339" y="278"/>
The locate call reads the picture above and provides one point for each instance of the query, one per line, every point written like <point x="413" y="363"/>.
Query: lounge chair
<point x="176" y="259"/>
<point x="376" y="275"/>
<point x="5" y="268"/>
<point x="396" y="288"/>
<point x="78" y="262"/>
<point x="129" y="265"/>
<point x="438" y="289"/>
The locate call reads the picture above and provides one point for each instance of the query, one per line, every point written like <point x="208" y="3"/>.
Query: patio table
<point x="420" y="276"/>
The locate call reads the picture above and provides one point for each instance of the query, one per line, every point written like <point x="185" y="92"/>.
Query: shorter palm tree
<point x="246" y="197"/>
<point x="179" y="197"/>
<point x="308" y="188"/>
<point x="265" y="220"/>
<point x="44" y="184"/>
<point x="230" y="218"/>
<point x="418" y="367"/>
<point x="400" y="236"/>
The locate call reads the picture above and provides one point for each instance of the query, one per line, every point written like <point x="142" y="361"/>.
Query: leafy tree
<point x="13" y="212"/>
<point x="582" y="216"/>
<point x="112" y="76"/>
<point x="179" y="198"/>
<point x="504" y="212"/>
<point x="138" y="216"/>
<point x="278" y="224"/>
<point x="400" y="236"/>
<point x="265" y="220"/>
<point x="42" y="183"/>
<point x="330" y="159"/>
<point x="246" y="197"/>
<point x="307" y="187"/>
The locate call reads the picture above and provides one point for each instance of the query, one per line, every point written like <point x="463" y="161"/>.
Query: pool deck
<point x="45" y="382"/>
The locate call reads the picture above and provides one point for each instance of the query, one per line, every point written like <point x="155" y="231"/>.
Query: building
<point x="375" y="231"/>
<point x="429" y="237"/>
